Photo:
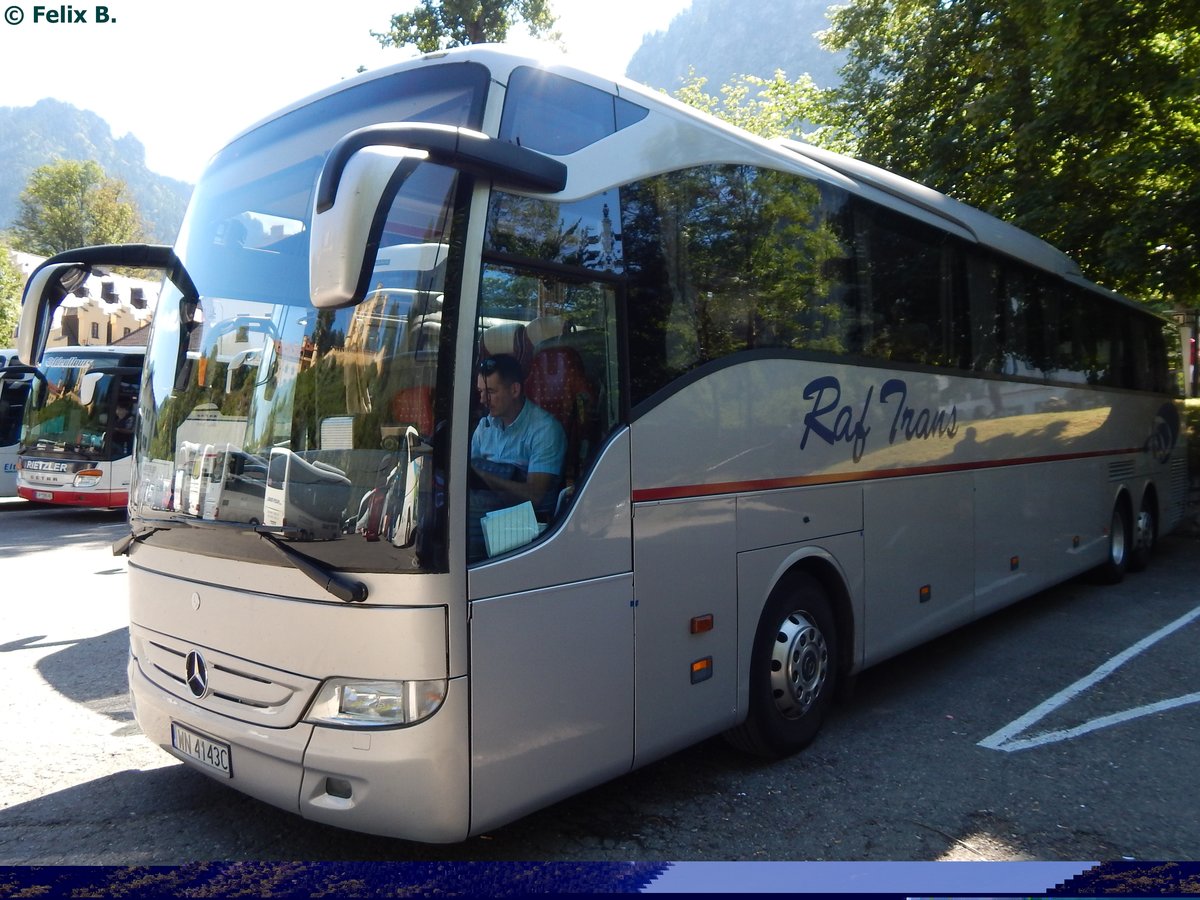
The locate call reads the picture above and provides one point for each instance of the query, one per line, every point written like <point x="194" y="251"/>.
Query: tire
<point x="1120" y="533"/>
<point x="1144" y="536"/>
<point x="793" y="670"/>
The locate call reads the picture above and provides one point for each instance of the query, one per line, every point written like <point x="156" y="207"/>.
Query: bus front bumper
<point x="411" y="783"/>
<point x="94" y="499"/>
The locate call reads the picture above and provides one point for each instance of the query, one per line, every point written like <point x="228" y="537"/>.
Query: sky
<point x="184" y="76"/>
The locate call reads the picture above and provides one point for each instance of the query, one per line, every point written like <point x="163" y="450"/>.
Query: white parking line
<point x="1006" y="738"/>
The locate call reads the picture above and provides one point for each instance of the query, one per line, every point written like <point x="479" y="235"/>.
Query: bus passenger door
<point x="551" y="619"/>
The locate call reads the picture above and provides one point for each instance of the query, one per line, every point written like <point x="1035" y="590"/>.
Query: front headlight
<point x="88" y="478"/>
<point x="355" y="703"/>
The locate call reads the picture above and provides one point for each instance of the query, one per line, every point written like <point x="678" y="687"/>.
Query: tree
<point x="11" y="284"/>
<point x="440" y="24"/>
<point x="1079" y="122"/>
<point x="769" y="108"/>
<point x="70" y="204"/>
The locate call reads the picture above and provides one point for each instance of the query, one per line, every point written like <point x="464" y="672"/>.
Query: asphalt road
<point x="1066" y="727"/>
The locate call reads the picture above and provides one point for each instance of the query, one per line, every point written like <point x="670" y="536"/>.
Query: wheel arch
<point x="1123" y="500"/>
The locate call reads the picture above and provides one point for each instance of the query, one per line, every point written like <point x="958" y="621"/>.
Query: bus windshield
<point x="83" y="409"/>
<point x="254" y="374"/>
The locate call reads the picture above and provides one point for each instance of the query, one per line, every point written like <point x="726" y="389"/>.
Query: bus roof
<point x="861" y="178"/>
<point x="987" y="229"/>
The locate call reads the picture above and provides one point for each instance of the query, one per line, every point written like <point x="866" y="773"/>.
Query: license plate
<point x="207" y="752"/>
<point x="43" y="495"/>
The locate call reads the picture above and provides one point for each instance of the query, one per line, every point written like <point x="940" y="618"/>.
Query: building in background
<point x="107" y="308"/>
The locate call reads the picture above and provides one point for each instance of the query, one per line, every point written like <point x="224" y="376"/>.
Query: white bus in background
<point x="238" y="489"/>
<point x="814" y="414"/>
<point x="76" y="447"/>
<point x="220" y="483"/>
<point x="305" y="497"/>
<point x="15" y="384"/>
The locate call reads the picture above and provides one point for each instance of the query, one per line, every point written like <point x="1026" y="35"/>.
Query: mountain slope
<point x="723" y="38"/>
<point x="31" y="136"/>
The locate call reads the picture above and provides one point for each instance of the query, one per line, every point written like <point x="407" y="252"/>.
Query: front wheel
<point x="793" y="670"/>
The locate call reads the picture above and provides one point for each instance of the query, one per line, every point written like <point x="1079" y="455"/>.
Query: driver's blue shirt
<point x="534" y="442"/>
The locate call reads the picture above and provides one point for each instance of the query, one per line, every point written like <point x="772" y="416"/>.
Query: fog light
<point x="338" y="787"/>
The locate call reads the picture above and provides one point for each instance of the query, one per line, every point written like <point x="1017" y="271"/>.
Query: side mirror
<point x="44" y="293"/>
<point x="341" y="245"/>
<point x="87" y="387"/>
<point x="59" y="275"/>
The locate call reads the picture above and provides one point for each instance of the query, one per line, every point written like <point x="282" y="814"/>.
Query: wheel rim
<point x="1143" y="532"/>
<point x="1117" y="542"/>
<point x="799" y="665"/>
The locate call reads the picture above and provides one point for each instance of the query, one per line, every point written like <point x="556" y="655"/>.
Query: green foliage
<point x="73" y="204"/>
<point x="770" y="108"/>
<point x="1079" y="122"/>
<point x="441" y="24"/>
<point x="11" y="284"/>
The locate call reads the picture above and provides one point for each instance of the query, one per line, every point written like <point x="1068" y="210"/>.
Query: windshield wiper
<point x="121" y="547"/>
<point x="348" y="590"/>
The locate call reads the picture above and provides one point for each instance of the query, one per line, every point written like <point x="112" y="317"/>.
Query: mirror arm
<point x="133" y="256"/>
<point x="459" y="148"/>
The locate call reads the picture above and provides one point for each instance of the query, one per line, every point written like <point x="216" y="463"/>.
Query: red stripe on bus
<point x="690" y="491"/>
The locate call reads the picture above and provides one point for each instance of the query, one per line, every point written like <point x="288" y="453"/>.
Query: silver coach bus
<point x="814" y="415"/>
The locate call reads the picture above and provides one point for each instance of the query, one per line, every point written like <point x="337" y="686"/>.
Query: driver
<point x="517" y="450"/>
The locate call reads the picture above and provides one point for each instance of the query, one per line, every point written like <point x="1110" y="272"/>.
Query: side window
<point x="553" y="114"/>
<point x="546" y="385"/>
<point x="906" y="275"/>
<point x="725" y="259"/>
<point x="1023" y="332"/>
<point x="984" y="313"/>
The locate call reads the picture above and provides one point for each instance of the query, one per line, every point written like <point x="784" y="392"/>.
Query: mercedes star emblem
<point x="196" y="675"/>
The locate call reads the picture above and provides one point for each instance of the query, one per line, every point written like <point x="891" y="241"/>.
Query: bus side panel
<point x="8" y="471"/>
<point x="1027" y="520"/>
<point x="551" y="695"/>
<point x="920" y="560"/>
<point x="684" y="564"/>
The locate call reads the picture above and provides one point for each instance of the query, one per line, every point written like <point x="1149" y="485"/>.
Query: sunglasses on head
<point x="488" y="366"/>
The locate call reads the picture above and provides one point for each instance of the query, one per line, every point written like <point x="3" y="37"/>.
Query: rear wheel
<point x="793" y="670"/>
<point x="1145" y="536"/>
